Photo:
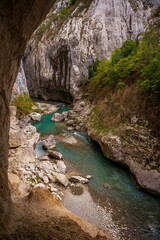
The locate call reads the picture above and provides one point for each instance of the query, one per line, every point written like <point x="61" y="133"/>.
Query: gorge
<point x="59" y="57"/>
<point x="70" y="58"/>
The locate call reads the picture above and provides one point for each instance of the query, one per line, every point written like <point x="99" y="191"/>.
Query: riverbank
<point x="131" y="144"/>
<point x="37" y="210"/>
<point x="112" y="195"/>
<point x="108" y="186"/>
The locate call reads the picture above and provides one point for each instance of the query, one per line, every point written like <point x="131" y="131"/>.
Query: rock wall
<point x="20" y="85"/>
<point x="18" y="20"/>
<point x="57" y="63"/>
<point x="140" y="153"/>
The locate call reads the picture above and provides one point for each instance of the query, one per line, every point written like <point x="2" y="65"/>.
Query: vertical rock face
<point x="48" y="72"/>
<point x="20" y="85"/>
<point x="18" y="20"/>
<point x="59" y="61"/>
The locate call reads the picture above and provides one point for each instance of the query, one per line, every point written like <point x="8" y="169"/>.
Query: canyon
<point x="54" y="65"/>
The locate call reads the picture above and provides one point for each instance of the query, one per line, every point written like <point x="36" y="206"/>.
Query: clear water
<point x="46" y="126"/>
<point x="137" y="210"/>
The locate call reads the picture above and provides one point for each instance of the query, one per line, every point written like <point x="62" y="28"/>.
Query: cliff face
<point x="18" y="20"/>
<point x="56" y="65"/>
<point x="20" y="85"/>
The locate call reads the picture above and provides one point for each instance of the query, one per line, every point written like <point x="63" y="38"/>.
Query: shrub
<point x="92" y="69"/>
<point x="121" y="85"/>
<point x="98" y="73"/>
<point x="133" y="63"/>
<point x="63" y="11"/>
<point x="23" y="103"/>
<point x="128" y="48"/>
<point x="144" y="86"/>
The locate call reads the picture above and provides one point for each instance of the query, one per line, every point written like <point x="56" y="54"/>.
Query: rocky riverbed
<point x="132" y="145"/>
<point x="49" y="167"/>
<point x="28" y="171"/>
<point x="37" y="183"/>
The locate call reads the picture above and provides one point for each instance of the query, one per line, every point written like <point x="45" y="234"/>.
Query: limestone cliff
<point x="58" y="56"/>
<point x="20" y="85"/>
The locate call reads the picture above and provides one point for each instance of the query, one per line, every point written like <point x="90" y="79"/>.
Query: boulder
<point x="45" y="179"/>
<point x="61" y="166"/>
<point x="44" y="158"/>
<point x="67" y="138"/>
<point x="45" y="107"/>
<point x="62" y="179"/>
<point x="49" y="143"/>
<point x="78" y="179"/>
<point x="88" y="176"/>
<point x="45" y="166"/>
<point x="72" y="114"/>
<point x="70" y="129"/>
<point x="70" y="122"/>
<point x="36" y="117"/>
<point x="30" y="135"/>
<point x="65" y="114"/>
<point x="40" y="175"/>
<point x="57" y="117"/>
<point x="42" y="185"/>
<point x="51" y="178"/>
<point x="55" y="154"/>
<point x="53" y="189"/>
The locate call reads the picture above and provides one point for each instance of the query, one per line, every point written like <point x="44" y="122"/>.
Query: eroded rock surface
<point x="58" y="56"/>
<point x="135" y="147"/>
<point x="18" y="20"/>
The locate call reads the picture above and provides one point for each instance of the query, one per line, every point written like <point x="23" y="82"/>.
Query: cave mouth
<point x="50" y="80"/>
<point x="51" y="94"/>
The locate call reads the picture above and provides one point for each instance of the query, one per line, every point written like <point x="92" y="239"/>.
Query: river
<point x="111" y="199"/>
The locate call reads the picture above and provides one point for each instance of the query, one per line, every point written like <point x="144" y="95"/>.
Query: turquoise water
<point x="46" y="126"/>
<point x="139" y="211"/>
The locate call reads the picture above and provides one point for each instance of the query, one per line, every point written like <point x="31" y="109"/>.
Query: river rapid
<point x="111" y="199"/>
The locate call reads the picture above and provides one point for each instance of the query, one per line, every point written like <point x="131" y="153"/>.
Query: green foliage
<point x="63" y="11"/>
<point x="23" y="103"/>
<point x="121" y="85"/>
<point x="134" y="63"/>
<point x="92" y="70"/>
<point x="128" y="48"/>
<point x="144" y="86"/>
<point x="97" y="72"/>
<point x="34" y="180"/>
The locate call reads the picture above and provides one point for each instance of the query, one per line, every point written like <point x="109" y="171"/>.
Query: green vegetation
<point x="34" y="180"/>
<point x="136" y="62"/>
<point x="23" y="103"/>
<point x="63" y="11"/>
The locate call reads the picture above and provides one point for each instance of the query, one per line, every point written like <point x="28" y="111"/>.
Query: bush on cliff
<point x="23" y="103"/>
<point x="136" y="62"/>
